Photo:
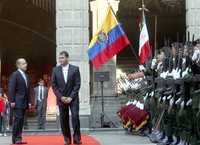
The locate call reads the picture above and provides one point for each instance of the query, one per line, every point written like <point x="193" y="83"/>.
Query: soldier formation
<point x="170" y="96"/>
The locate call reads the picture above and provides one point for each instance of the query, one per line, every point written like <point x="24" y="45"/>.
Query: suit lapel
<point x="21" y="77"/>
<point x="69" y="74"/>
<point x="28" y="81"/>
<point x="38" y="91"/>
<point x="61" y="74"/>
<point x="45" y="92"/>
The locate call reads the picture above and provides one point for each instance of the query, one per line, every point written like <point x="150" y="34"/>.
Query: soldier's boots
<point x="153" y="138"/>
<point x="175" y="141"/>
<point x="166" y="141"/>
<point x="182" y="143"/>
<point x="157" y="137"/>
<point x="163" y="141"/>
<point x="153" y="135"/>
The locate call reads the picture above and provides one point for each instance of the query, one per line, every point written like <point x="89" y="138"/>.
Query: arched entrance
<point x="27" y="30"/>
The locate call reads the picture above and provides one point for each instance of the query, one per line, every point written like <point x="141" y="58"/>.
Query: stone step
<point x="111" y="103"/>
<point x="115" y="109"/>
<point x="33" y="123"/>
<point x="106" y="101"/>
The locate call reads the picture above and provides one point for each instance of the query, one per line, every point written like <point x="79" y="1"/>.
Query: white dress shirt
<point x="41" y="93"/>
<point x="65" y="72"/>
<point x="23" y="75"/>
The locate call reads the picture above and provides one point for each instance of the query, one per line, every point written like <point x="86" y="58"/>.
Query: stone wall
<point x="192" y="18"/>
<point x="72" y="35"/>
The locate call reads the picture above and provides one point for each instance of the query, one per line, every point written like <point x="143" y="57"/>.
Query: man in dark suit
<point x="41" y="94"/>
<point x="66" y="84"/>
<point x="18" y="89"/>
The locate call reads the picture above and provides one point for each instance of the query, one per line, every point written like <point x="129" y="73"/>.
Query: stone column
<point x="99" y="9"/>
<point x="192" y="18"/>
<point x="1" y="8"/>
<point x="72" y="35"/>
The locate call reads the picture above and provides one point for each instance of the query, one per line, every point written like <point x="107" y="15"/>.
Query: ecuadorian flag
<point x="108" y="41"/>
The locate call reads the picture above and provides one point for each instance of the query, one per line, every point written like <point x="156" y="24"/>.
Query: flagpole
<point x="155" y="35"/>
<point x="143" y="7"/>
<point x="134" y="53"/>
<point x="108" y="3"/>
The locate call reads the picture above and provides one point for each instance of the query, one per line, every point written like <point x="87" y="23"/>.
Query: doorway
<point x="27" y="30"/>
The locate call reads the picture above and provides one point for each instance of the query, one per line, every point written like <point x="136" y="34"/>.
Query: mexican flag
<point x="144" y="46"/>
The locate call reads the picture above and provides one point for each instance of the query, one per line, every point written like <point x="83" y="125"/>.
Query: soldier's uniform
<point x="173" y="102"/>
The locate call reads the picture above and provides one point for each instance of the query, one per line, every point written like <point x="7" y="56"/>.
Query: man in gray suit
<point x="41" y="94"/>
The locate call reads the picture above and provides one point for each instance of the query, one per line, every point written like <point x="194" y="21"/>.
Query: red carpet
<point x="56" y="140"/>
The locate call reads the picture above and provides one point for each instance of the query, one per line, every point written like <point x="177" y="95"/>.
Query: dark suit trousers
<point x="41" y="112"/>
<point x="64" y="120"/>
<point x="11" y="116"/>
<point x="18" y="124"/>
<point x="74" y="107"/>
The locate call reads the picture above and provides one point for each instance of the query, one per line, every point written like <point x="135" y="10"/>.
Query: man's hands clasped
<point x="66" y="100"/>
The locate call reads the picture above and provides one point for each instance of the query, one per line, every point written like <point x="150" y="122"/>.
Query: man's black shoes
<point x="67" y="142"/>
<point x="19" y="142"/>
<point x="77" y="142"/>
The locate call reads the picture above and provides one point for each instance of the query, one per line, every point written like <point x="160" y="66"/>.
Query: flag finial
<point x="144" y="45"/>
<point x="108" y="2"/>
<point x="143" y="8"/>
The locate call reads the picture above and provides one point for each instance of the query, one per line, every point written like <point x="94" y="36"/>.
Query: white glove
<point x="159" y="99"/>
<point x="171" y="102"/>
<point x="128" y="103"/>
<point x="135" y="102"/>
<point x="182" y="104"/>
<point x="138" y="104"/>
<point x="178" y="101"/>
<point x="161" y="75"/>
<point x="178" y="76"/>
<point x="126" y="85"/>
<point x="141" y="106"/>
<point x="195" y="55"/>
<point x="142" y="68"/>
<point x="185" y="72"/>
<point x="136" y="86"/>
<point x="172" y="73"/>
<point x="189" y="102"/>
<point x="153" y="63"/>
<point x="164" y="74"/>
<point x="183" y="60"/>
<point x="164" y="98"/>
<point x="169" y="97"/>
<point x="152" y="93"/>
<point x="145" y="97"/>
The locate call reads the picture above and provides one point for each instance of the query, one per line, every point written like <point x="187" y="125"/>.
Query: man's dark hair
<point x="65" y="53"/>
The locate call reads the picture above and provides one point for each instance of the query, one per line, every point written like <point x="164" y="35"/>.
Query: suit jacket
<point x="69" y="89"/>
<point x="18" y="91"/>
<point x="36" y="94"/>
